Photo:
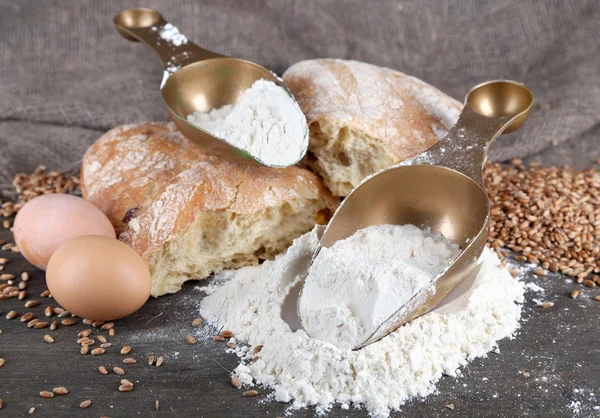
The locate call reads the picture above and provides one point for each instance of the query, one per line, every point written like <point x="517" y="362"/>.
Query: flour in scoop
<point x="356" y="284"/>
<point x="266" y="123"/>
<point x="292" y="367"/>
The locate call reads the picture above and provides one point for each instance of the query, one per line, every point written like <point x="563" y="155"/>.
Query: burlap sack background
<point x="66" y="76"/>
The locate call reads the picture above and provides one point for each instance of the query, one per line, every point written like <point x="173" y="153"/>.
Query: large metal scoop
<point x="195" y="79"/>
<point x="441" y="188"/>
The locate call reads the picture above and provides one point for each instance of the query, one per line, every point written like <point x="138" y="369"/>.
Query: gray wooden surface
<point x="558" y="347"/>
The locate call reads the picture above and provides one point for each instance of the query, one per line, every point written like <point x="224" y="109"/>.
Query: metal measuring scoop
<point x="442" y="188"/>
<point x="196" y="79"/>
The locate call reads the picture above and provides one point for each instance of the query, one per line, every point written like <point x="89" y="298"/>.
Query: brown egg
<point x="99" y="278"/>
<point x="48" y="221"/>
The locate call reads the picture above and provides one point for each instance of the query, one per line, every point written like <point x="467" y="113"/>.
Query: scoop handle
<point x="491" y="108"/>
<point x="465" y="147"/>
<point x="147" y="25"/>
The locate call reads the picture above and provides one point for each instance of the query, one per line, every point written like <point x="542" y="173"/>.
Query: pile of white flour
<point x="266" y="123"/>
<point x="356" y="284"/>
<point x="380" y="377"/>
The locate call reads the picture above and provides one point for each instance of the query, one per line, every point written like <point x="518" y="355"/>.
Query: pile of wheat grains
<point x="548" y="216"/>
<point x="28" y="186"/>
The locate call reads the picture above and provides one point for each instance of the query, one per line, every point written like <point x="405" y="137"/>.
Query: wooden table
<point x="551" y="368"/>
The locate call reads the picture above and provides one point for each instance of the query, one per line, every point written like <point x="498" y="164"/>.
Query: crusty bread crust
<point x="364" y="118"/>
<point x="153" y="184"/>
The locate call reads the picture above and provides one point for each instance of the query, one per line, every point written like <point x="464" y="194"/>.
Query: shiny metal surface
<point x="199" y="80"/>
<point x="441" y="188"/>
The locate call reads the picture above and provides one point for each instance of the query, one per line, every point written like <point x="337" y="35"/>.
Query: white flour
<point x="372" y="274"/>
<point x="171" y="34"/>
<point x="266" y="123"/>
<point x="381" y="377"/>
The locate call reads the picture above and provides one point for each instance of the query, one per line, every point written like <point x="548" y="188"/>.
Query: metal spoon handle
<point x="148" y="26"/>
<point x="465" y="147"/>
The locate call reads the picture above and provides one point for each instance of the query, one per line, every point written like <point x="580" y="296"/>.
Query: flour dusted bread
<point x="189" y="213"/>
<point x="363" y="118"/>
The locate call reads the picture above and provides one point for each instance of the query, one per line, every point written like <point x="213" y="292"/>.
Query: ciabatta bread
<point x="189" y="213"/>
<point x="363" y="118"/>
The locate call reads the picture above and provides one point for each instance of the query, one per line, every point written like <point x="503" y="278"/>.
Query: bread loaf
<point x="189" y="213"/>
<point x="363" y="118"/>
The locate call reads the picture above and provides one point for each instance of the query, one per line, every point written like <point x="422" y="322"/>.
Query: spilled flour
<point x="372" y="274"/>
<point x="380" y="377"/>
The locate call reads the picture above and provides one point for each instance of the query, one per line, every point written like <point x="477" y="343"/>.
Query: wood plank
<point x="558" y="347"/>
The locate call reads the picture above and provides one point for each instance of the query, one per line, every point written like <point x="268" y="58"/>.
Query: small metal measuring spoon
<point x="198" y="79"/>
<point x="442" y="188"/>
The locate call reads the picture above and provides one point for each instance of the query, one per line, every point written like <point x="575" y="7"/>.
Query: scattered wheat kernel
<point x="118" y="371"/>
<point x="84" y="349"/>
<point x="125" y="388"/>
<point x="589" y="283"/>
<point x="156" y="405"/>
<point x="48" y="338"/>
<point x="68" y="322"/>
<point x="111" y="332"/>
<point x="257" y="349"/>
<point x="597" y="297"/>
<point x="28" y="316"/>
<point x="150" y="360"/>
<point x="96" y="324"/>
<point x="108" y="325"/>
<point x="235" y="381"/>
<point x="197" y="322"/>
<point x="41" y="325"/>
<point x="105" y="345"/>
<point x="12" y="315"/>
<point x="2" y="362"/>
<point x="218" y="338"/>
<point x="159" y="361"/>
<point x="45" y="294"/>
<point x="547" y="305"/>
<point x="129" y="360"/>
<point x="85" y="404"/>
<point x="575" y="294"/>
<point x="60" y="390"/>
<point x="98" y="351"/>
<point x="190" y="339"/>
<point x="54" y="326"/>
<point x="250" y="393"/>
<point x="102" y="339"/>
<point x="526" y="374"/>
<point x="25" y="276"/>
<point x="32" y="410"/>
<point x="126" y="350"/>
<point x="1" y="403"/>
<point x="102" y="370"/>
<point x="84" y="333"/>
<point x="48" y="311"/>
<point x="450" y="406"/>
<point x="540" y="272"/>
<point x="88" y="321"/>
<point x="226" y="334"/>
<point x="46" y="394"/>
